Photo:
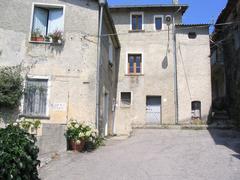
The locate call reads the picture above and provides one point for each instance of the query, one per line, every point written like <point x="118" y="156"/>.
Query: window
<point x="126" y="99"/>
<point x="134" y="64"/>
<point x="46" y="21"/>
<point x="158" y="22"/>
<point x="137" y="21"/>
<point x="196" y="109"/>
<point x="110" y="51"/>
<point x="35" y="97"/>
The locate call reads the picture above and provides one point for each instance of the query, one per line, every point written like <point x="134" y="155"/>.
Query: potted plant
<point x="79" y="133"/>
<point x="47" y="39"/>
<point x="57" y="37"/>
<point x="37" y="36"/>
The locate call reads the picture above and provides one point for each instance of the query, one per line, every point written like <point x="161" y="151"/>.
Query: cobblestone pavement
<point x="155" y="154"/>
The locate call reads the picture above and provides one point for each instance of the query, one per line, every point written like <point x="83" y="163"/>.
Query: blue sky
<point x="200" y="11"/>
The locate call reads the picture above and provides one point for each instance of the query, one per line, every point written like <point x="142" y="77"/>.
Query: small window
<point x="158" y="23"/>
<point x="137" y="22"/>
<point x="126" y="99"/>
<point x="192" y="35"/>
<point x="35" y="97"/>
<point x="47" y="23"/>
<point x="110" y="51"/>
<point x="196" y="110"/>
<point x="134" y="64"/>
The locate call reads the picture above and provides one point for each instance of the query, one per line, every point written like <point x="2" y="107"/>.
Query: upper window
<point x="134" y="64"/>
<point x="158" y="22"/>
<point x="47" y="23"/>
<point x="137" y="21"/>
<point x="35" y="97"/>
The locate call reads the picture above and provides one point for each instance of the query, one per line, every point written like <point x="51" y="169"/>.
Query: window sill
<point x="34" y="116"/>
<point x="45" y="42"/>
<point x="136" y="31"/>
<point x="134" y="74"/>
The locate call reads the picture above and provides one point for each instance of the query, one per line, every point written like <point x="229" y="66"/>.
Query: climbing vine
<point x="11" y="86"/>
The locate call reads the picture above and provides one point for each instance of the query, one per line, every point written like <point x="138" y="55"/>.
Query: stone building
<point x="225" y="50"/>
<point x="61" y="71"/>
<point x="150" y="93"/>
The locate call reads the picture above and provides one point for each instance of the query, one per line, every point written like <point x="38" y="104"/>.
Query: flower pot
<point x="40" y="39"/>
<point x="77" y="146"/>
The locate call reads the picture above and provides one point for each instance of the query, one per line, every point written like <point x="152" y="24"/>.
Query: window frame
<point x="142" y="64"/>
<point x="154" y="24"/>
<point x="46" y="5"/>
<point x="120" y="99"/>
<point x="35" y="77"/>
<point x="137" y="13"/>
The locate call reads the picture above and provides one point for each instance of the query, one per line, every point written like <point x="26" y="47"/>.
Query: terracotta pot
<point x="33" y="39"/>
<point x="77" y="147"/>
<point x="40" y="39"/>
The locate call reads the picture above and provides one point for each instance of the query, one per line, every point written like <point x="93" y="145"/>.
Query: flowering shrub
<point x="80" y="131"/>
<point x="29" y="125"/>
<point x="18" y="154"/>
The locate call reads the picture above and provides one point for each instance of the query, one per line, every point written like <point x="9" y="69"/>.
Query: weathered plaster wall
<point x="194" y="72"/>
<point x="71" y="67"/>
<point x="157" y="78"/>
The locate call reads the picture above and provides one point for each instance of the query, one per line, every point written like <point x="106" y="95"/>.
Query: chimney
<point x="175" y="1"/>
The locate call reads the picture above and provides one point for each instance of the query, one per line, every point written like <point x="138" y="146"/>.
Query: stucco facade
<point x="157" y="76"/>
<point x="70" y="67"/>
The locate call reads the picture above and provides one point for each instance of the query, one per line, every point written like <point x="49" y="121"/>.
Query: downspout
<point x="175" y="68"/>
<point x="102" y="4"/>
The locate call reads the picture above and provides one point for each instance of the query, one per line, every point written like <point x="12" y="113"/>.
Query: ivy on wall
<point x="11" y="86"/>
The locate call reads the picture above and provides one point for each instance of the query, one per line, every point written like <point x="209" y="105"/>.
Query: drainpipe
<point x="175" y="69"/>
<point x="102" y="4"/>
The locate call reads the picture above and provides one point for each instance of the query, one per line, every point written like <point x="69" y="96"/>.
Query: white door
<point x="153" y="110"/>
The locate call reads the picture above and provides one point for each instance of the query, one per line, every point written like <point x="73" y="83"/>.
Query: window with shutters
<point x="47" y="21"/>
<point x="134" y="64"/>
<point x="137" y="21"/>
<point x="35" y="97"/>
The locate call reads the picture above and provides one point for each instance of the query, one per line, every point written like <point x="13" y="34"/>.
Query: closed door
<point x="153" y="110"/>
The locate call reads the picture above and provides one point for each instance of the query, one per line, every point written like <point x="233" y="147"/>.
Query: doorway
<point x="153" y="110"/>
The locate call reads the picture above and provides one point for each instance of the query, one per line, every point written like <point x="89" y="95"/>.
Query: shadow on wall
<point x="228" y="138"/>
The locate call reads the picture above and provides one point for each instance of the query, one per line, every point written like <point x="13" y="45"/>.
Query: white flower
<point x="76" y="125"/>
<point x="88" y="133"/>
<point x="90" y="139"/>
<point x="81" y="134"/>
<point x="93" y="134"/>
<point x="78" y="142"/>
<point x="15" y="124"/>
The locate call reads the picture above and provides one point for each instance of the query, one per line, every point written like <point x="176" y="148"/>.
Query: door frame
<point x="106" y="98"/>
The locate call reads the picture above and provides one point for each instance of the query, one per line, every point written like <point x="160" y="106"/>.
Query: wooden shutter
<point x="35" y="99"/>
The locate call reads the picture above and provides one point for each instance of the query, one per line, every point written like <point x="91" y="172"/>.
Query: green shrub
<point x="11" y="86"/>
<point x="18" y="154"/>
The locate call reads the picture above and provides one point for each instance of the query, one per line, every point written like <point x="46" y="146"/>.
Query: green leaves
<point x="11" y="86"/>
<point x="18" y="154"/>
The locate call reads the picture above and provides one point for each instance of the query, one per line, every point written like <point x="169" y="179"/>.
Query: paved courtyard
<point x="155" y="154"/>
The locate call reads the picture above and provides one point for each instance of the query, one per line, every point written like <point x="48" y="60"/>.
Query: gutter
<point x="102" y="4"/>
